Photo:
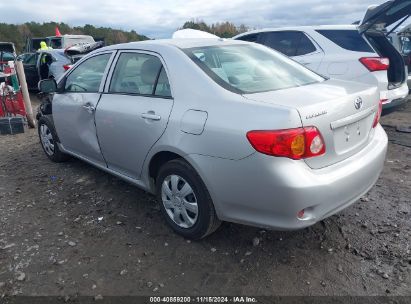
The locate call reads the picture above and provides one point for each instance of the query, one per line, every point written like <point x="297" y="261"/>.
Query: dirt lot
<point x="70" y="229"/>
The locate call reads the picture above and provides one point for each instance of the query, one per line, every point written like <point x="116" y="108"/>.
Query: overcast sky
<point x="159" y="18"/>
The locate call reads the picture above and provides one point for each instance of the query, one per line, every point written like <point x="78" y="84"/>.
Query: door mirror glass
<point x="47" y="86"/>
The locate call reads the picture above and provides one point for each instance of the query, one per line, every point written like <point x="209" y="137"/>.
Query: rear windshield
<point x="347" y="39"/>
<point x="55" y="43"/>
<point x="251" y="68"/>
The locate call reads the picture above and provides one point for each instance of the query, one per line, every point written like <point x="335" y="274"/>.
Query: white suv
<point x="350" y="52"/>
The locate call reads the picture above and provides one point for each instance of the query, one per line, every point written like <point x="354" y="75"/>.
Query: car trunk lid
<point x="342" y="111"/>
<point x="386" y="14"/>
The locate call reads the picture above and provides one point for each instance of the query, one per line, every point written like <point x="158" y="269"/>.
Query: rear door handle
<point x="151" y="115"/>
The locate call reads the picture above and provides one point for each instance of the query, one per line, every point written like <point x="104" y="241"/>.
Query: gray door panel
<point x="74" y="120"/>
<point x="127" y="127"/>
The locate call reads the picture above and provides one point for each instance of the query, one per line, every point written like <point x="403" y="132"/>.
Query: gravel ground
<point x="70" y="229"/>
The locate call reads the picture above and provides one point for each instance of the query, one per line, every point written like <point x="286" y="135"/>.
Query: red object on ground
<point x="14" y="105"/>
<point x="58" y="34"/>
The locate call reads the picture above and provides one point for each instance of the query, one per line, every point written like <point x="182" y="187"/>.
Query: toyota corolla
<point x="218" y="131"/>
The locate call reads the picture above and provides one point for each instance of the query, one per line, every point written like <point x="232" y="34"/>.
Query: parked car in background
<point x="401" y="39"/>
<point x="7" y="47"/>
<point x="57" y="42"/>
<point x="7" y="53"/>
<point x="239" y="143"/>
<point x="350" y="52"/>
<point x="44" y="64"/>
<point x="65" y="41"/>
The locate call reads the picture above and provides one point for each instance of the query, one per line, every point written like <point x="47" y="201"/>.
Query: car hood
<point x="381" y="16"/>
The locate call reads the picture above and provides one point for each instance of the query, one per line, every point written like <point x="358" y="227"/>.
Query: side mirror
<point x="47" y="86"/>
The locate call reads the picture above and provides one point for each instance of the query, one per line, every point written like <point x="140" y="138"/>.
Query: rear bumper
<point x="268" y="192"/>
<point x="395" y="96"/>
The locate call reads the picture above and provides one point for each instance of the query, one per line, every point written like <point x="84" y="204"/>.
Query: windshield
<point x="249" y="69"/>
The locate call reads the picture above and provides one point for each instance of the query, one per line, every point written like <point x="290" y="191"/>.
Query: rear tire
<point x="49" y="139"/>
<point x="184" y="200"/>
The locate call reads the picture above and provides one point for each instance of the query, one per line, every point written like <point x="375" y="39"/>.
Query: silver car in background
<point x="219" y="131"/>
<point x="359" y="53"/>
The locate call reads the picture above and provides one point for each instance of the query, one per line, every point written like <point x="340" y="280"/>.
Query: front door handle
<point x="89" y="107"/>
<point x="151" y="115"/>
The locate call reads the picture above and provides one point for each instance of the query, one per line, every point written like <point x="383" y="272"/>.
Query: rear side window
<point x="163" y="86"/>
<point x="141" y="74"/>
<point x="249" y="38"/>
<point x="290" y="43"/>
<point x="347" y="39"/>
<point x="87" y="76"/>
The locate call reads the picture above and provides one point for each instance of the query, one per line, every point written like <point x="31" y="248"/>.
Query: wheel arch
<point x="158" y="160"/>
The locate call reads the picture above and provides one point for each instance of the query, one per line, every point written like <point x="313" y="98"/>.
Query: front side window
<point x="347" y="39"/>
<point x="140" y="74"/>
<point x="250" y="68"/>
<point x="88" y="75"/>
<point x="30" y="59"/>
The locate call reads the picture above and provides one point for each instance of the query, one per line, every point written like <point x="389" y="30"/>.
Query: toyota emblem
<point x="358" y="103"/>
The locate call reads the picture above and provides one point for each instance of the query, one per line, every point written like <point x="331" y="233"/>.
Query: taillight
<point x="375" y="63"/>
<point x="378" y="114"/>
<point x="292" y="143"/>
<point x="67" y="67"/>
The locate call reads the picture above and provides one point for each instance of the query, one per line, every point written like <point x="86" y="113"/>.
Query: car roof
<point x="182" y="43"/>
<point x="303" y="27"/>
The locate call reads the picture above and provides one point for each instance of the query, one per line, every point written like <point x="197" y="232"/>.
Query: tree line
<point x="221" y="29"/>
<point x="18" y="33"/>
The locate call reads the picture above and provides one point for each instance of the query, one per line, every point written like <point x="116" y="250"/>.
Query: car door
<point x="30" y="70"/>
<point x="133" y="111"/>
<point x="295" y="44"/>
<point x="74" y="107"/>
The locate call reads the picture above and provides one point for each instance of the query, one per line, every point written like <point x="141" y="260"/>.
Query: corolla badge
<point x="314" y="115"/>
<point x="358" y="103"/>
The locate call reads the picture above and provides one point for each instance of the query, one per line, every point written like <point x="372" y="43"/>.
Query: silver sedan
<point x="219" y="131"/>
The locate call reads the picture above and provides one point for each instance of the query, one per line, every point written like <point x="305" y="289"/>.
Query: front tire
<point x="184" y="200"/>
<point x="49" y="139"/>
